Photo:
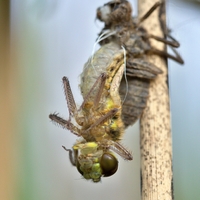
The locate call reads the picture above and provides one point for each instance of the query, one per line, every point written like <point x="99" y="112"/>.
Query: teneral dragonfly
<point x="98" y="121"/>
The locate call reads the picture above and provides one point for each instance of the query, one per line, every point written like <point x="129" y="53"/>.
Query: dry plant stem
<point x="155" y="136"/>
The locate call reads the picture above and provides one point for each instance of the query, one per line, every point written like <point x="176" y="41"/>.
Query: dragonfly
<point x="124" y="30"/>
<point x="97" y="122"/>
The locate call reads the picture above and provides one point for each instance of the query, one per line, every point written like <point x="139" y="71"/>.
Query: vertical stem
<point x="155" y="136"/>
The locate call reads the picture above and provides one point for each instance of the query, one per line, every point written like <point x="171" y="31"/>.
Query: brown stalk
<point x="155" y="127"/>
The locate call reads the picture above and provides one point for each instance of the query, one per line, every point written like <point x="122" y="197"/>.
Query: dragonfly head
<point x="93" y="163"/>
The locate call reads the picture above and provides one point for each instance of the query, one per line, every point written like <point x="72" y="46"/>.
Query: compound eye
<point x="109" y="164"/>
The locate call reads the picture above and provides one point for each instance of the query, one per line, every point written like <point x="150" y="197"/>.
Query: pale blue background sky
<point x="55" y="39"/>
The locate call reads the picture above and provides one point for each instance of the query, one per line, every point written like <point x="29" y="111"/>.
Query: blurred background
<point x="54" y="38"/>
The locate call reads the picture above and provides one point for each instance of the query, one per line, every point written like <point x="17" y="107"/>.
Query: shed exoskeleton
<point x="127" y="31"/>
